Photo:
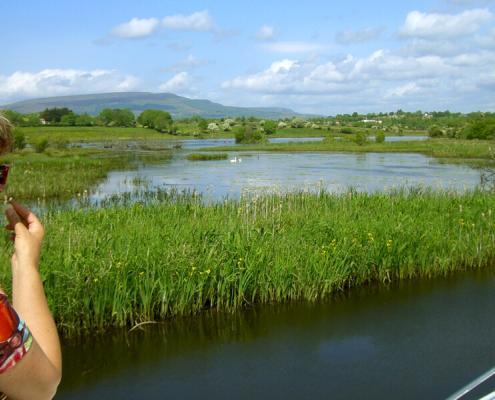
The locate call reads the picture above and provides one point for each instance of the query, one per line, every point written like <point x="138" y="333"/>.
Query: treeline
<point x="117" y="117"/>
<point x="476" y="125"/>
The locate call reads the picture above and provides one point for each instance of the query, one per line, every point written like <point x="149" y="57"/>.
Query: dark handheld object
<point x="4" y="173"/>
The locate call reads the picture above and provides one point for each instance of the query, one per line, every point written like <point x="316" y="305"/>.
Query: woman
<point x="30" y="356"/>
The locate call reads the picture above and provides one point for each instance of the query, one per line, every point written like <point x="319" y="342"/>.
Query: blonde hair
<point x="5" y="135"/>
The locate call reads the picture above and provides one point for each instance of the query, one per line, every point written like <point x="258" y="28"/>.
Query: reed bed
<point x="206" y="156"/>
<point x="174" y="255"/>
<point x="62" y="175"/>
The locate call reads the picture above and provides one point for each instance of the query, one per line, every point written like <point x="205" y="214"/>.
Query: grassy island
<point x="128" y="263"/>
<point x="206" y="157"/>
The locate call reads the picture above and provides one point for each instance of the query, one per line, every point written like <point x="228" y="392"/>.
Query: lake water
<point x="261" y="172"/>
<point x="419" y="340"/>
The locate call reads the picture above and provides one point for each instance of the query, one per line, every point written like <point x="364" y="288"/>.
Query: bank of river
<point x="418" y="340"/>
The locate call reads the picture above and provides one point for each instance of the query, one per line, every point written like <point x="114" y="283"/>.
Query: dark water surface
<point x="419" y="340"/>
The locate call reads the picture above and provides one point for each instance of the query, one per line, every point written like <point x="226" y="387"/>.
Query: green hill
<point x="178" y="106"/>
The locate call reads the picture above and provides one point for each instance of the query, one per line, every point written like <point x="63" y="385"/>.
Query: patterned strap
<point x="15" y="340"/>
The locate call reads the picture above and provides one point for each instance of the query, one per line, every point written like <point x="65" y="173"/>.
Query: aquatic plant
<point x="206" y="156"/>
<point x="172" y="254"/>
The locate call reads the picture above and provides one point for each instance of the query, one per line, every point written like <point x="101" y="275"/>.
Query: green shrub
<point x="435" y="131"/>
<point x="19" y="140"/>
<point x="380" y="137"/>
<point x="360" y="138"/>
<point x="41" y="145"/>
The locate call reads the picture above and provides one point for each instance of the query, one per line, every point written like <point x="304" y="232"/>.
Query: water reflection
<point x="422" y="340"/>
<point x="273" y="172"/>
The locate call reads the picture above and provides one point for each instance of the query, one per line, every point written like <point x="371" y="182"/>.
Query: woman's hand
<point x="28" y="235"/>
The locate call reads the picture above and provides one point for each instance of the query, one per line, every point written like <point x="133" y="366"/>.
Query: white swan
<point x="236" y="160"/>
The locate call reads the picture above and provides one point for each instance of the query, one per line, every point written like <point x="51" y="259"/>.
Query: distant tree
<point x="116" y="117"/>
<point x="435" y="131"/>
<point x="297" y="123"/>
<point x="14" y="117"/>
<point x="54" y="115"/>
<point x="270" y="127"/>
<point x="360" y="138"/>
<point x="156" y="119"/>
<point x="163" y="122"/>
<point x="85" y="120"/>
<point x="247" y="133"/>
<point x="481" y="128"/>
<point x="380" y="137"/>
<point x="213" y="127"/>
<point x="68" y="119"/>
<point x="32" y="119"/>
<point x="202" y="125"/>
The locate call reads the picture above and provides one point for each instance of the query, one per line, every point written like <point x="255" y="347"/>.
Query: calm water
<point x="423" y="340"/>
<point x="268" y="171"/>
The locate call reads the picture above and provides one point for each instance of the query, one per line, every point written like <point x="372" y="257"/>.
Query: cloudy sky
<point x="312" y="56"/>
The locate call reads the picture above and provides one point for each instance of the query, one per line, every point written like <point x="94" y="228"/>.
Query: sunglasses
<point x="4" y="173"/>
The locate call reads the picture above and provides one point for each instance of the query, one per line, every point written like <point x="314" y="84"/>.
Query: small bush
<point x="19" y="140"/>
<point x="435" y="131"/>
<point x="380" y="137"/>
<point x="41" y="145"/>
<point x="360" y="138"/>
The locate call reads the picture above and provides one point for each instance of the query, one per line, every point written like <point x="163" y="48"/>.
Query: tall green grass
<point x="124" y="264"/>
<point x="207" y="156"/>
<point x="62" y="175"/>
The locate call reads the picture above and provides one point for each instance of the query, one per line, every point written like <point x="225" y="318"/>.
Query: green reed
<point x="66" y="174"/>
<point x="175" y="255"/>
<point x="207" y="156"/>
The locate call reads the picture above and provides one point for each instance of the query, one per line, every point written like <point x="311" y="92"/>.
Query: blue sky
<point x="314" y="56"/>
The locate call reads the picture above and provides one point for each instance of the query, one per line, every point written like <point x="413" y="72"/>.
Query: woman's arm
<point x="38" y="374"/>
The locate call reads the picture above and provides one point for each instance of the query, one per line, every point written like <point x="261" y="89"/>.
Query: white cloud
<point x="198" y="21"/>
<point x="54" y="82"/>
<point x="387" y="66"/>
<point x="379" y="81"/>
<point x="136" y="28"/>
<point x="179" y="83"/>
<point x="358" y="36"/>
<point x="266" y="32"/>
<point x="274" y="79"/>
<point x="424" y="25"/>
<point x="403" y="90"/>
<point x="293" y="47"/>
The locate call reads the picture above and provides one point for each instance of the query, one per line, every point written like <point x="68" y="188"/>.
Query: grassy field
<point x="65" y="174"/>
<point x="440" y="148"/>
<point x="128" y="263"/>
<point x="90" y="133"/>
<point x="56" y="134"/>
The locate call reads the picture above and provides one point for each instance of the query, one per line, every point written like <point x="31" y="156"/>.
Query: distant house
<point x="42" y="121"/>
<point x="371" y="121"/>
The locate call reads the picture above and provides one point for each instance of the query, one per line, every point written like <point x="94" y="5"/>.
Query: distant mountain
<point x="178" y="106"/>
